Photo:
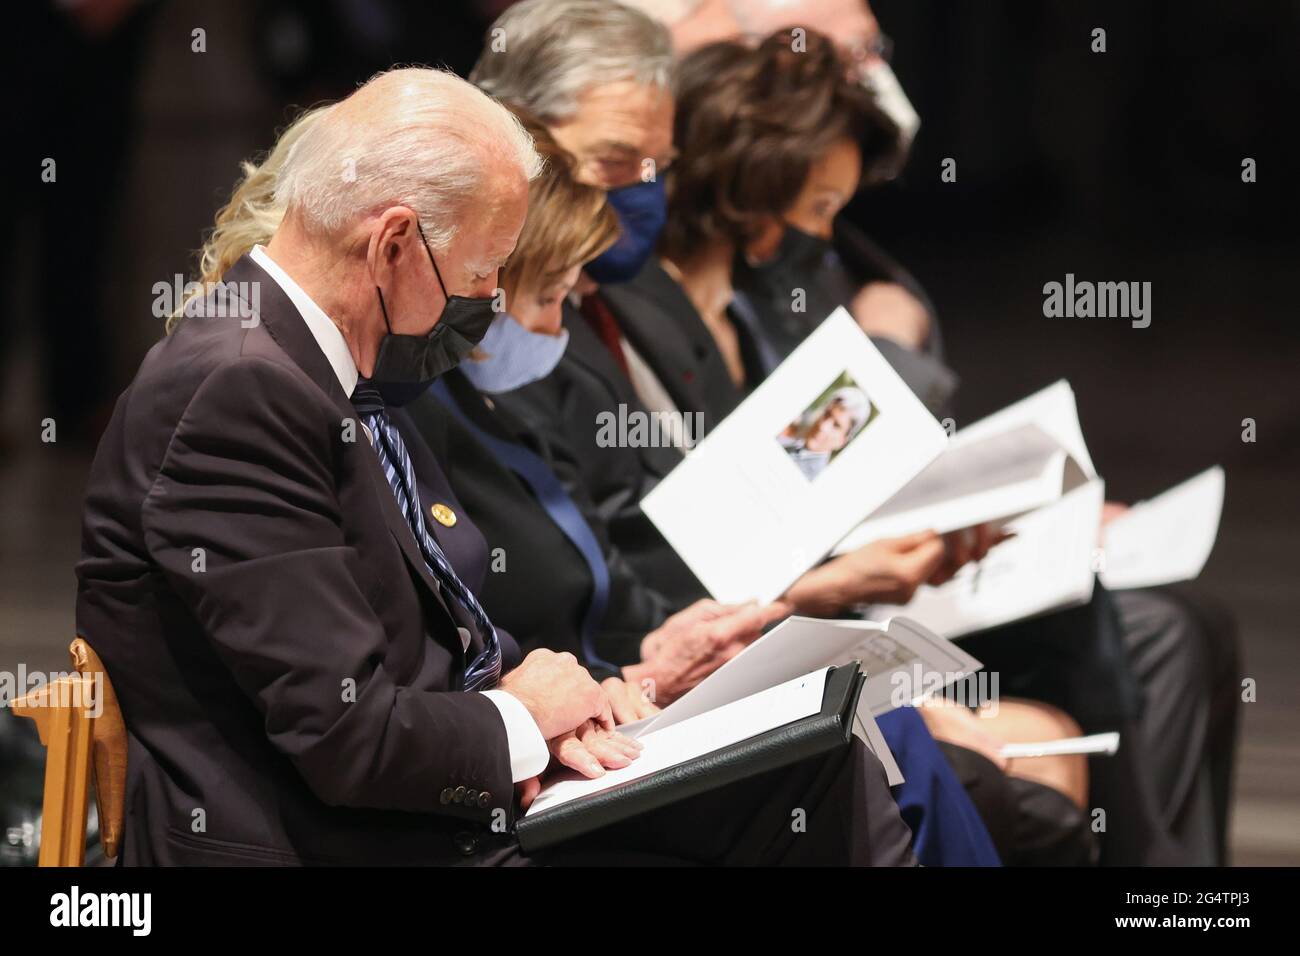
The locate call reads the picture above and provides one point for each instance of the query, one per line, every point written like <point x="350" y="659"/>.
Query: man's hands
<point x="695" y="642"/>
<point x="589" y="750"/>
<point x="629" y="702"/>
<point x="558" y="692"/>
<point x="688" y="647"/>
<point x="576" y="715"/>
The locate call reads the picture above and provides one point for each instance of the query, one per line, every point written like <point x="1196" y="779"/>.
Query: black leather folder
<point x="813" y="735"/>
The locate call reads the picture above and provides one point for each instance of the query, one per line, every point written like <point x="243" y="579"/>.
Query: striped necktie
<point x="485" y="670"/>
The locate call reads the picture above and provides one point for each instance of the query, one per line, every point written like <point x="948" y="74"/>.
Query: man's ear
<point x="390" y="242"/>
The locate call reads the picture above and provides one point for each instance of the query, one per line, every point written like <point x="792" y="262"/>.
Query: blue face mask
<point x="642" y="209"/>
<point x="514" y="358"/>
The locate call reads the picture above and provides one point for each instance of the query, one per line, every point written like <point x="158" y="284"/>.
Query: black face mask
<point x="409" y="364"/>
<point x="799" y="255"/>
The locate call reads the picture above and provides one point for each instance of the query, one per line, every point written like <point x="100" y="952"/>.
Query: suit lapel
<point x="588" y="351"/>
<point x="291" y="333"/>
<point x="662" y="325"/>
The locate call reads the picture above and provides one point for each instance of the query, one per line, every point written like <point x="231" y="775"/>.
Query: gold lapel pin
<point x="443" y="515"/>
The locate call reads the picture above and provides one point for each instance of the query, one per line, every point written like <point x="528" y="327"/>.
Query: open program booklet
<point x="830" y="436"/>
<point x="1054" y="558"/>
<point x="1050" y="564"/>
<point x="779" y="679"/>
<point x="1015" y="460"/>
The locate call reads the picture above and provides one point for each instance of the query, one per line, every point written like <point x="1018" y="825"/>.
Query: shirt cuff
<point x="528" y="751"/>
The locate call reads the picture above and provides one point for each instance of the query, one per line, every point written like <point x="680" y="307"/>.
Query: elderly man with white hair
<point x="303" y="675"/>
<point x="812" y="442"/>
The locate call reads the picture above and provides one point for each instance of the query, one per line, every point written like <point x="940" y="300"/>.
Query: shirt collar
<point x="323" y="329"/>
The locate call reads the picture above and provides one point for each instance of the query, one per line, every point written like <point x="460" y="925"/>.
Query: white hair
<point x="542" y="54"/>
<point x="854" y="400"/>
<point x="414" y="137"/>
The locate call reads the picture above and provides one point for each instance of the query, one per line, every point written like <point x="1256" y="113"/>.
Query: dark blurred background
<point x="1122" y="166"/>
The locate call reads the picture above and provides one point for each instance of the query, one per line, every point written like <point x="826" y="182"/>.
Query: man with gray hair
<point x="304" y="676"/>
<point x="597" y="73"/>
<point x="299" y="667"/>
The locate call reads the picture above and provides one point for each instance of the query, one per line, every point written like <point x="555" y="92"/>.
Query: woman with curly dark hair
<point x="772" y="142"/>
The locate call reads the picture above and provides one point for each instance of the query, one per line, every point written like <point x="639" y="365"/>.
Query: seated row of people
<point x="524" y="529"/>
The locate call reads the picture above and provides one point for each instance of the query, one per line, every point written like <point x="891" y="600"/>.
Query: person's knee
<point x="1031" y="720"/>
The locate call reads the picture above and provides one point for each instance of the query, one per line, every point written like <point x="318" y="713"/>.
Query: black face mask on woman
<point x="798" y="256"/>
<point x="771" y="286"/>
<point x="409" y="364"/>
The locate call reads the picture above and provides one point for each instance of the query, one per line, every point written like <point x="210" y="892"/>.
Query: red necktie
<point x="603" y="323"/>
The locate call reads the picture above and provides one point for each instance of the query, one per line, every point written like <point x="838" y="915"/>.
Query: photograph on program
<point x="827" y="426"/>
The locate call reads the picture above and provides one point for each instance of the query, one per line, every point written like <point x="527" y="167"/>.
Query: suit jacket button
<point x="471" y="797"/>
<point x="484" y="798"/>
<point x="459" y="795"/>
<point x="445" y="796"/>
<point x="466" y="843"/>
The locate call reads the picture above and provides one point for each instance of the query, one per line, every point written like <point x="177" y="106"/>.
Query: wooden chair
<point x="83" y="735"/>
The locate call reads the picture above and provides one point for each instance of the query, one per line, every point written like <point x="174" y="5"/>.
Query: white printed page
<point x="830" y="436"/>
<point x="702" y="734"/>
<point x="1167" y="539"/>
<point x="1047" y="565"/>
<point x="795" y="646"/>
<point x="1007" y="474"/>
<point x="1052" y="409"/>
<point x="800" y="644"/>
<point x="1010" y="463"/>
<point x="904" y="663"/>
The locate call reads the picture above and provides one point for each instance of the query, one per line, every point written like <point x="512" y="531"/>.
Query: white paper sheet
<point x="798" y="645"/>
<point x="740" y="510"/>
<point x="766" y="686"/>
<point x="906" y="663"/>
<point x="1105" y="744"/>
<point x="1053" y="409"/>
<point x="1049" y="564"/>
<point x="1018" y="459"/>
<point x="1167" y="539"/>
<point x="699" y="735"/>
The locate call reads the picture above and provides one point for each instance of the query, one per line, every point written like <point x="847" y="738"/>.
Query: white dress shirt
<point x="528" y="752"/>
<point x="655" y="397"/>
